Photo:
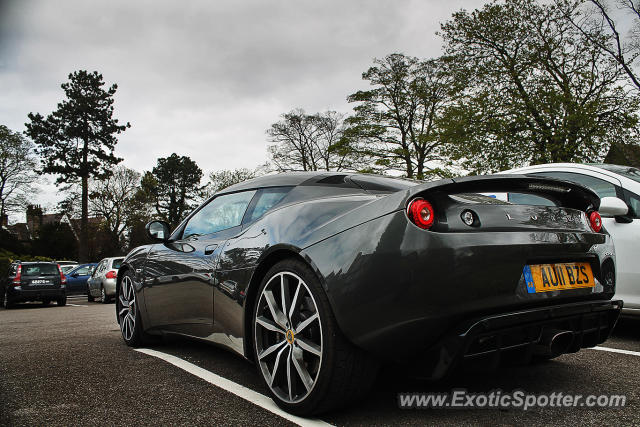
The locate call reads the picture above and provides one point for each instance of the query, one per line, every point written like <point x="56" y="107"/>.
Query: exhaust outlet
<point x="553" y="342"/>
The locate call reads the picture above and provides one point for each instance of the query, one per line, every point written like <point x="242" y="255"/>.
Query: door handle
<point x="210" y="249"/>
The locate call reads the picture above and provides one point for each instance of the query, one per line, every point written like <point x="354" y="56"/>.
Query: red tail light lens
<point x="421" y="213"/>
<point x="111" y="274"/>
<point x="63" y="279"/>
<point x="595" y="221"/>
<point x="18" y="279"/>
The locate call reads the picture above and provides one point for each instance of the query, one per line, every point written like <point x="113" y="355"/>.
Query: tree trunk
<point x="83" y="254"/>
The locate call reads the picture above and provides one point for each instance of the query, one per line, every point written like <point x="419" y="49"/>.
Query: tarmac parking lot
<point x="69" y="366"/>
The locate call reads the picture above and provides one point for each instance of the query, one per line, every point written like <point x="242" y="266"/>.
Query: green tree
<point x="175" y="184"/>
<point x="77" y="140"/>
<point x="17" y="177"/>
<point x="398" y="118"/>
<point x="532" y="89"/>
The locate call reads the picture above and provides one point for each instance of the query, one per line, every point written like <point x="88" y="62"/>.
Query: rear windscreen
<point x="39" y="270"/>
<point x="117" y="263"/>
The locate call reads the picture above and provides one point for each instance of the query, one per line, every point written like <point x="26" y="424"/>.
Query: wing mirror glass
<point x="158" y="231"/>
<point x="612" y="206"/>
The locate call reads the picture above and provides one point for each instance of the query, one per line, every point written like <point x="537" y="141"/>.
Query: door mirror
<point x="158" y="231"/>
<point x="612" y="206"/>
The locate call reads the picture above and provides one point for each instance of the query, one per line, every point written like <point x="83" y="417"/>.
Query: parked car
<point x="623" y="184"/>
<point x="33" y="281"/>
<point x="319" y="276"/>
<point x="102" y="283"/>
<point x="77" y="278"/>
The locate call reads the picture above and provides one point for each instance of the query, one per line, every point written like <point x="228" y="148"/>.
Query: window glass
<point x="601" y="187"/>
<point x="117" y="263"/>
<point x="529" y="199"/>
<point x="633" y="200"/>
<point x="626" y="171"/>
<point x="221" y="213"/>
<point x="268" y="199"/>
<point x="82" y="271"/>
<point x="39" y="269"/>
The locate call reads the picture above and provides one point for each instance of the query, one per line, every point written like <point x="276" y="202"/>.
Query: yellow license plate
<point x="558" y="277"/>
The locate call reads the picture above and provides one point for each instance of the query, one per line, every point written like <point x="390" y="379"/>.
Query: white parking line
<point x="77" y="305"/>
<point x="617" y="350"/>
<point x="228" y="385"/>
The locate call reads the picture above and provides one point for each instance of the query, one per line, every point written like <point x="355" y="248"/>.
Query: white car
<point x="611" y="181"/>
<point x="102" y="283"/>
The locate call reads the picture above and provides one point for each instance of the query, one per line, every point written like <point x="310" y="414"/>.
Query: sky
<point x="205" y="78"/>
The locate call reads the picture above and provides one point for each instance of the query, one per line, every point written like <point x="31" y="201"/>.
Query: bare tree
<point x="599" y="26"/>
<point x="220" y="180"/>
<point x="112" y="199"/>
<point x="311" y="142"/>
<point x="17" y="176"/>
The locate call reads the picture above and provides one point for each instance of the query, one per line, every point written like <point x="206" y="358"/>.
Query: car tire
<point x="62" y="301"/>
<point x="46" y="302"/>
<point x="129" y="317"/>
<point x="90" y="298"/>
<point x="309" y="367"/>
<point x="103" y="296"/>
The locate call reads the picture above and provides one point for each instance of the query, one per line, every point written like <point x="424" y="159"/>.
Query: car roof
<point x="592" y="167"/>
<point x="285" y="179"/>
<point x="34" y="262"/>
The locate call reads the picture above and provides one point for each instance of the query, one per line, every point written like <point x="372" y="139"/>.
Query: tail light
<point x="111" y="274"/>
<point x="595" y="221"/>
<point x="18" y="279"/>
<point x="421" y="213"/>
<point x="63" y="279"/>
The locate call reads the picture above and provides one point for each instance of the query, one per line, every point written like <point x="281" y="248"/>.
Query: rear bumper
<point x="519" y="335"/>
<point x="109" y="287"/>
<point x="17" y="294"/>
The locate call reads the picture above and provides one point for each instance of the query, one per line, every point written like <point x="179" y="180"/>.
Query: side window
<point x="267" y="199"/>
<point x="223" y="212"/>
<point x="601" y="187"/>
<point x="98" y="269"/>
<point x="633" y="200"/>
<point x="83" y="271"/>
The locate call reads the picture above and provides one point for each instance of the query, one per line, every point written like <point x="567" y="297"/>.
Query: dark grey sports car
<point x="319" y="277"/>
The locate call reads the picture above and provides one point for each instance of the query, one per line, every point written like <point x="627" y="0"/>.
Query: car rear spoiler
<point x="567" y="194"/>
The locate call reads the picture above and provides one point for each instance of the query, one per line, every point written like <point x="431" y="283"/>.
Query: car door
<point x="77" y="279"/>
<point x="625" y="234"/>
<point x="93" y="283"/>
<point x="179" y="275"/>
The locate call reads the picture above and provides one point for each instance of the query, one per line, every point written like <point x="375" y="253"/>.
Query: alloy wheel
<point x="288" y="337"/>
<point x="127" y="313"/>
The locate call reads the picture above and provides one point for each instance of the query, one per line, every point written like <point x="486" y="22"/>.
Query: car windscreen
<point x="626" y="171"/>
<point x="39" y="270"/>
<point x="117" y="263"/>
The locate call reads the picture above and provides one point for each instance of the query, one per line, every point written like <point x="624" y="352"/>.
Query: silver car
<point x="102" y="283"/>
